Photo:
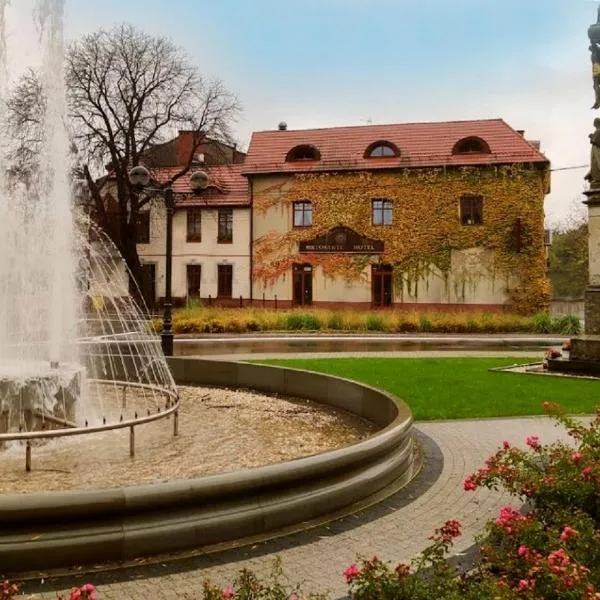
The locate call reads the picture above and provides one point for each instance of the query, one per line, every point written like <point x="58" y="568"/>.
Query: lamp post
<point x="139" y="177"/>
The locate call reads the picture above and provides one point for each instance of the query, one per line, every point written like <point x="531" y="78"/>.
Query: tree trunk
<point x="128" y="248"/>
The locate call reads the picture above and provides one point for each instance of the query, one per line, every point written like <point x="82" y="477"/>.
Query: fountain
<point x="76" y="352"/>
<point x="78" y="357"/>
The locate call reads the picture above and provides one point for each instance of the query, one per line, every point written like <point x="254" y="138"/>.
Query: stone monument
<point x="584" y="356"/>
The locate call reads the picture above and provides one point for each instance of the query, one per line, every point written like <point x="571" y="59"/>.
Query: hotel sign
<point x="343" y="240"/>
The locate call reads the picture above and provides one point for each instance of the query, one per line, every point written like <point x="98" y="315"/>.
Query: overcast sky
<point x="320" y="63"/>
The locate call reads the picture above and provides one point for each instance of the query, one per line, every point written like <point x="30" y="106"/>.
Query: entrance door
<point x="194" y="276"/>
<point x="302" y="284"/>
<point x="148" y="285"/>
<point x="224" y="281"/>
<point x="381" y="285"/>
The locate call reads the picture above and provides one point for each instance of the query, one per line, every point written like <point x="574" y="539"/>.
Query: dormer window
<point x="303" y="152"/>
<point x="471" y="145"/>
<point x="382" y="149"/>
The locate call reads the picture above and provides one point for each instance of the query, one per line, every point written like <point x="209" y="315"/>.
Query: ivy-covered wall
<point x="427" y="244"/>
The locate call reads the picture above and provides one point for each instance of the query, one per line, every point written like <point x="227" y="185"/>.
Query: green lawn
<point x="460" y="388"/>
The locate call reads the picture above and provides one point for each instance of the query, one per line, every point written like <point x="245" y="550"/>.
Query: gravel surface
<point x="219" y="430"/>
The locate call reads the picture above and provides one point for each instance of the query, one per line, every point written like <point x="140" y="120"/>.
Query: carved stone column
<point x="592" y="293"/>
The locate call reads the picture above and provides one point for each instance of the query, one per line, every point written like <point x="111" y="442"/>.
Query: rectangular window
<point x="225" y="281"/>
<point x="194" y="225"/>
<point x="382" y="212"/>
<point x="303" y="214"/>
<point x="225" y="233"/>
<point x="142" y="230"/>
<point x="471" y="210"/>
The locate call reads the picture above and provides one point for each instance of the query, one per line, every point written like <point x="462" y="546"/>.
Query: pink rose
<point x="523" y="551"/>
<point x="533" y="441"/>
<point x="469" y="485"/>
<point x="567" y="533"/>
<point x="505" y="445"/>
<point x="228" y="592"/>
<point x="576" y="457"/>
<point x="524" y="584"/>
<point x="351" y="572"/>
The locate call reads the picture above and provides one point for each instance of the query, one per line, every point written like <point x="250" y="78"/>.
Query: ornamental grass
<point x="203" y="320"/>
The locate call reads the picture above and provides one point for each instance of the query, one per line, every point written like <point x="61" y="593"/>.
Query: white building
<point x="211" y="240"/>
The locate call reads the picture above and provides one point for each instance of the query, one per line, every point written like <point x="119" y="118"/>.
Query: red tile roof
<point x="420" y="144"/>
<point x="227" y="186"/>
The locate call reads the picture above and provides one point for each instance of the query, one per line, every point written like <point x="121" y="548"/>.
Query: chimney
<point x="282" y="126"/>
<point x="521" y="132"/>
<point x="186" y="140"/>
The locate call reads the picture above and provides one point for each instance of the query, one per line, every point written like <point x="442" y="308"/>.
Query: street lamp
<point x="139" y="177"/>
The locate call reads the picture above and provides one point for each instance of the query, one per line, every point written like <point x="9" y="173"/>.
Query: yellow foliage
<point x="238" y="320"/>
<point x="426" y="226"/>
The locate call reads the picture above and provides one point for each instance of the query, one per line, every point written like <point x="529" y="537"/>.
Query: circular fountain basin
<point x="58" y="529"/>
<point x="220" y="430"/>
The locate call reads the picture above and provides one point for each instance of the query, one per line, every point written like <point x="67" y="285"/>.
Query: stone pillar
<point x="592" y="293"/>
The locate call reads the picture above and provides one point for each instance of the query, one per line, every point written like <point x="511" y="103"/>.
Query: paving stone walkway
<point x="396" y="529"/>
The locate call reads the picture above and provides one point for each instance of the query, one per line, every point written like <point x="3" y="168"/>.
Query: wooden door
<point x="225" y="281"/>
<point x="302" y="284"/>
<point x="382" y="285"/>
<point x="194" y="277"/>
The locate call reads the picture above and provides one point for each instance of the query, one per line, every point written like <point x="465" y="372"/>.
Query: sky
<point x="322" y="63"/>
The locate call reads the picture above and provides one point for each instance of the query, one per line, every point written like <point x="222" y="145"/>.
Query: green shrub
<point x="335" y="321"/>
<point x="566" y="325"/>
<point x="425" y="324"/>
<point x="541" y="322"/>
<point x="375" y="322"/>
<point x="472" y="326"/>
<point x="311" y="322"/>
<point x="294" y="321"/>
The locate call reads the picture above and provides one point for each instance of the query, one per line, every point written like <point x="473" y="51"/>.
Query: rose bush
<point x="548" y="550"/>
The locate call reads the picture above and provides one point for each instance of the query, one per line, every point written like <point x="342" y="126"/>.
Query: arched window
<point x="303" y="152"/>
<point x="382" y="149"/>
<point x="471" y="145"/>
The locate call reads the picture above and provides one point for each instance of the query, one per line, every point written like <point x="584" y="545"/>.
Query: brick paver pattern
<point x="398" y="531"/>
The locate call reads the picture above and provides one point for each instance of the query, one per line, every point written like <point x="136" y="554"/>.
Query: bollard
<point x="132" y="441"/>
<point x="124" y="396"/>
<point x="28" y="456"/>
<point x="176" y="423"/>
<point x="241" y="303"/>
<point x="209" y="300"/>
<point x="275" y="301"/>
<point x="264" y="299"/>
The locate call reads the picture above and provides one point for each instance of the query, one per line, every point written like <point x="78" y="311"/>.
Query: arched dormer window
<point x="471" y="145"/>
<point x="303" y="152"/>
<point x="382" y="149"/>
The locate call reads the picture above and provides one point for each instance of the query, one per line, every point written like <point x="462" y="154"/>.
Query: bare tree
<point x="127" y="91"/>
<point x="24" y="125"/>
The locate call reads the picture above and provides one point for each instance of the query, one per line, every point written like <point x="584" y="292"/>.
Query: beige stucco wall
<point x="471" y="279"/>
<point x="207" y="253"/>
